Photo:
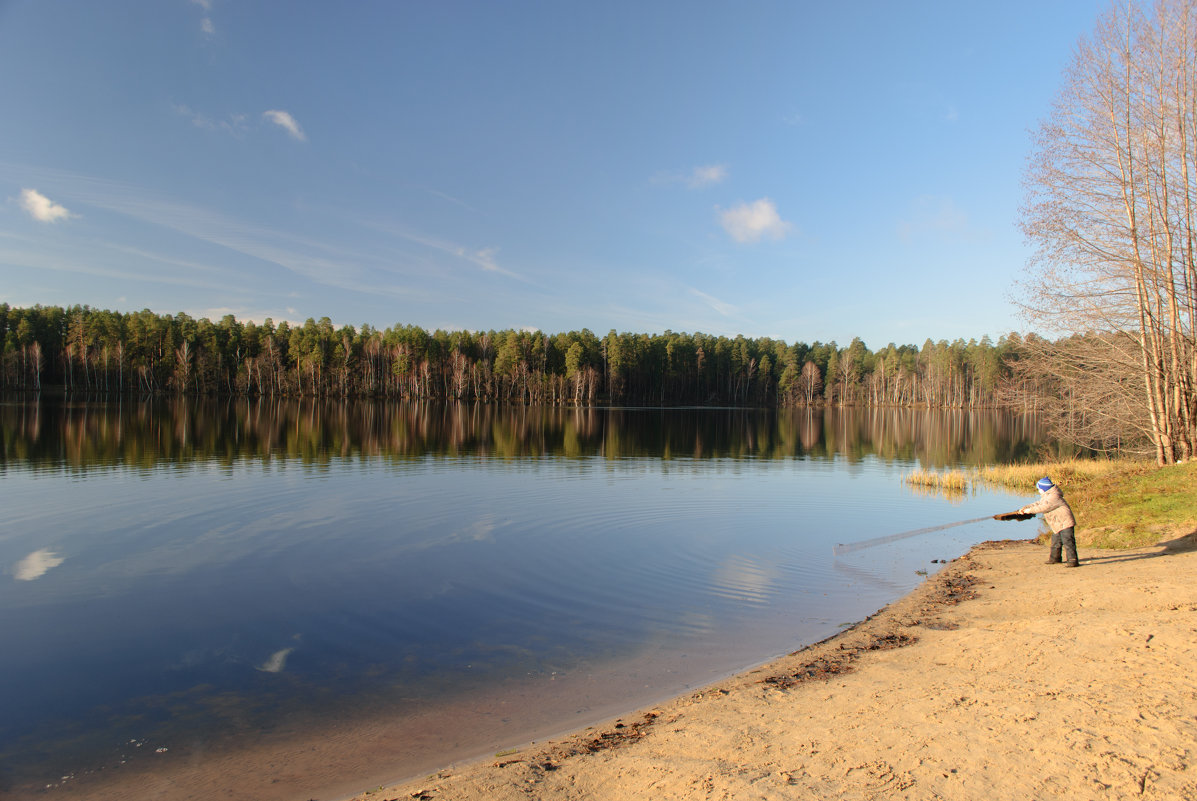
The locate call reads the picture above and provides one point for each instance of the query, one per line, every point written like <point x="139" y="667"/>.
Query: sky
<point x="806" y="171"/>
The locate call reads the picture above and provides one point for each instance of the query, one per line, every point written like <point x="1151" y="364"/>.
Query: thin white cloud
<point x="340" y="267"/>
<point x="751" y="222"/>
<point x="285" y="121"/>
<point x="327" y="263"/>
<point x="41" y="208"/>
<point x="708" y="175"/>
<point x="696" y="178"/>
<point x="235" y="124"/>
<point x="484" y="258"/>
<point x="64" y="262"/>
<point x="206" y="25"/>
<point x="937" y="216"/>
<point x="726" y="309"/>
<point x="36" y="565"/>
<point x="451" y="199"/>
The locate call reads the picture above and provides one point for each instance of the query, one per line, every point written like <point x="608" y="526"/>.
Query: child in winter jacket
<point x="1058" y="516"/>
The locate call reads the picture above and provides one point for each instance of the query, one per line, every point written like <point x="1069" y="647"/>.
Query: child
<point x="1058" y="515"/>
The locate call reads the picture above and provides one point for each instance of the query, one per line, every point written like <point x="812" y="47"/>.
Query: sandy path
<point x="1000" y="678"/>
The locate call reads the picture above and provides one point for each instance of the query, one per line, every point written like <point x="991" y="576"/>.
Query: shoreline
<point x="998" y="677"/>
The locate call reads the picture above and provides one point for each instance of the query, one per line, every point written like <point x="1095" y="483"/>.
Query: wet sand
<point x="1001" y="677"/>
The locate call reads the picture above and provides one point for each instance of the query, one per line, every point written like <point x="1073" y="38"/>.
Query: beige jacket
<point x="1054" y="508"/>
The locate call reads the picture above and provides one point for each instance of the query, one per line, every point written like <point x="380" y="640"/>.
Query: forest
<point x="1110" y="212"/>
<point x="83" y="350"/>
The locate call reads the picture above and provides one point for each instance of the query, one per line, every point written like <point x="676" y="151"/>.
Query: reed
<point x="946" y="481"/>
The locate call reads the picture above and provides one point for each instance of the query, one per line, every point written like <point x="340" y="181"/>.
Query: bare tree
<point x="810" y="382"/>
<point x="1112" y="209"/>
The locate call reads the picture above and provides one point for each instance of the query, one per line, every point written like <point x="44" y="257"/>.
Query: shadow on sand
<point x="1182" y="544"/>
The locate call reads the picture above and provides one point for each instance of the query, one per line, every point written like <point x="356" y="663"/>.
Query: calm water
<point x="180" y="579"/>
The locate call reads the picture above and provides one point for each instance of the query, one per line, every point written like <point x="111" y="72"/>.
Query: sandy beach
<point x="1001" y="677"/>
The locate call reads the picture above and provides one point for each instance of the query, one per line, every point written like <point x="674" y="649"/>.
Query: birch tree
<point x="1112" y="211"/>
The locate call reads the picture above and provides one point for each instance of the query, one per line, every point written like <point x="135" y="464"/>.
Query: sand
<point x="1000" y="677"/>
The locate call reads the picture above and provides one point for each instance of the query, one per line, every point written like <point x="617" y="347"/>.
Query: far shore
<point x="1000" y="677"/>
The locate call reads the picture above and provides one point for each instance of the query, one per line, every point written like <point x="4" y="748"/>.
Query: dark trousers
<point x="1065" y="540"/>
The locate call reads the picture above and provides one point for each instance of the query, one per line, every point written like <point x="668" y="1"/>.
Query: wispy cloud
<point x="235" y="124"/>
<point x="726" y="309"/>
<point x="708" y="175"/>
<point x="42" y="259"/>
<point x="238" y="123"/>
<point x="285" y="121"/>
<point x="751" y="222"/>
<point x="695" y="178"/>
<point x="323" y="262"/>
<point x="451" y="199"/>
<point x="938" y="216"/>
<point x="485" y="258"/>
<point x="206" y="24"/>
<point x="41" y="208"/>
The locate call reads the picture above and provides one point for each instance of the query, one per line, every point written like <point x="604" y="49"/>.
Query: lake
<point x="282" y="599"/>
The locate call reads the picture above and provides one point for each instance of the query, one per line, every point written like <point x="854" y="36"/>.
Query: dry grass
<point x="1023" y="476"/>
<point x="948" y="481"/>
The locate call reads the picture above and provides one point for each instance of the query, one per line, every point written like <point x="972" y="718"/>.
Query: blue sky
<point x="799" y="170"/>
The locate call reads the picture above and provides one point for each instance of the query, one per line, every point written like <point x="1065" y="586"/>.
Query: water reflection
<point x="746" y="580"/>
<point x="149" y="433"/>
<point x="277" y="661"/>
<point x="201" y="575"/>
<point x="36" y="565"/>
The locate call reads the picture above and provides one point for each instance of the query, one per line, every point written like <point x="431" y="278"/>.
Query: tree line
<point x="85" y="350"/>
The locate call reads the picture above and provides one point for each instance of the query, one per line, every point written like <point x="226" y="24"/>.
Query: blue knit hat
<point x="1044" y="484"/>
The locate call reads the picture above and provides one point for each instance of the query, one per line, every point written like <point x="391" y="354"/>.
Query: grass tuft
<point x="950" y="480"/>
